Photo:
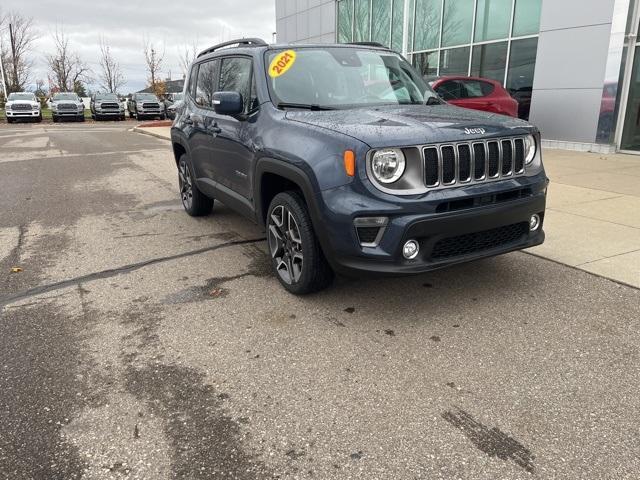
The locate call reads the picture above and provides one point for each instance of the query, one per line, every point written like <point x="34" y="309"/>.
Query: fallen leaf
<point x="16" y="269"/>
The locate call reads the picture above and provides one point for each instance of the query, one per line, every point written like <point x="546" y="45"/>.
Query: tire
<point x="195" y="203"/>
<point x="9" y="120"/>
<point x="55" y="119"/>
<point x="163" y="117"/>
<point x="130" y="114"/>
<point x="39" y="118"/>
<point x="296" y="256"/>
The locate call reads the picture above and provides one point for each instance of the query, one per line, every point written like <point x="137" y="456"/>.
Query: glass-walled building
<point x="572" y="65"/>
<point x="495" y="39"/>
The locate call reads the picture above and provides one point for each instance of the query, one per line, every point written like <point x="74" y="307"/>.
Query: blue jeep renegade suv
<point x="352" y="163"/>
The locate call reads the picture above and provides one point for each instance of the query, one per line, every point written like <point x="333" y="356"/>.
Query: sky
<point x="124" y="24"/>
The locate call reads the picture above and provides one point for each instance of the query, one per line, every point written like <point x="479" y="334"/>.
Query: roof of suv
<point x="251" y="45"/>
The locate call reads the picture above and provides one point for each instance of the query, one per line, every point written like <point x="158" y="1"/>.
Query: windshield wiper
<point x="307" y="106"/>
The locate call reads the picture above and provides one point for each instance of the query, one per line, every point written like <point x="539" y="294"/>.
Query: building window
<point x="522" y="64"/>
<point x="454" y="61"/>
<point x="454" y="37"/>
<point x="362" y="21"/>
<point x="345" y="21"/>
<point x="493" y="18"/>
<point x="457" y="22"/>
<point x="427" y="24"/>
<point x="380" y="27"/>
<point x="427" y="63"/>
<point x="526" y="19"/>
<point x="397" y="24"/>
<point x="490" y="60"/>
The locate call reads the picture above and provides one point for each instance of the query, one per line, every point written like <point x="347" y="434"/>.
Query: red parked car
<point x="477" y="94"/>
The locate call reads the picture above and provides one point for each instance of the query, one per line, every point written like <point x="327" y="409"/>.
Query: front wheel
<point x="195" y="203"/>
<point x="296" y="256"/>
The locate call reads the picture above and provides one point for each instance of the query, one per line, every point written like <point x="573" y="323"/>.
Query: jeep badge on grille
<point x="474" y="131"/>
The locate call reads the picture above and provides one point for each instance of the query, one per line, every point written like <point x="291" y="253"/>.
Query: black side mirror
<point x="228" y="103"/>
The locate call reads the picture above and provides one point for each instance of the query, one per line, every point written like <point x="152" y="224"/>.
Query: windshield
<point x="344" y="77"/>
<point x="178" y="96"/>
<point x="107" y="96"/>
<point x="65" y="96"/>
<point x="21" y="96"/>
<point x="146" y="97"/>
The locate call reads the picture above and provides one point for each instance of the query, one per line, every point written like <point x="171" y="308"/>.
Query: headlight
<point x="7" y="106"/>
<point x="139" y="104"/>
<point x="388" y="165"/>
<point x="529" y="149"/>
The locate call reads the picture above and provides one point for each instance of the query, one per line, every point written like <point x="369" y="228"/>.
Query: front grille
<point x="151" y="106"/>
<point x="109" y="106"/>
<point x="21" y="106"/>
<point x="479" y="241"/>
<point x="67" y="106"/>
<point x="465" y="162"/>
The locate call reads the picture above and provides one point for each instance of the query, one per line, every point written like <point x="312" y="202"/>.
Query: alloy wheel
<point x="285" y="244"/>
<point x="186" y="185"/>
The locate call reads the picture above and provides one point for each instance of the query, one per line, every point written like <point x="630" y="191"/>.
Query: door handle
<point x="214" y="129"/>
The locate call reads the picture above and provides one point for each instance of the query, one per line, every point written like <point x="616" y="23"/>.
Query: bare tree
<point x="67" y="69"/>
<point x="111" y="77"/>
<point x="153" y="58"/>
<point x="187" y="55"/>
<point x="17" y="42"/>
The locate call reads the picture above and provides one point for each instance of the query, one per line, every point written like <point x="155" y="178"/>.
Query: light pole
<point x="4" y="85"/>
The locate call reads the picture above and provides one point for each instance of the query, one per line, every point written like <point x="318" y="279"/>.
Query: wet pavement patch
<point x="206" y="442"/>
<point x="491" y="441"/>
<point x="259" y="266"/>
<point x="44" y="380"/>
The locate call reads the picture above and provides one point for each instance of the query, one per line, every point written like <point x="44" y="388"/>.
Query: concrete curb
<point x="147" y="131"/>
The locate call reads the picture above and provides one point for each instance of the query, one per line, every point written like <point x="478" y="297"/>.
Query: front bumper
<point x="497" y="223"/>
<point x="67" y="113"/>
<point x="22" y="113"/>
<point x="109" y="113"/>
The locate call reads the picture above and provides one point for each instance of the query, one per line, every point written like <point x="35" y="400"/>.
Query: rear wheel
<point x="195" y="203"/>
<point x="296" y="256"/>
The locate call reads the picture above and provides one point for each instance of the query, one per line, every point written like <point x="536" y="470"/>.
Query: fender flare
<point x="179" y="138"/>
<point x="298" y="176"/>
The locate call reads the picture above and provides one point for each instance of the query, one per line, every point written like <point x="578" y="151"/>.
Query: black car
<point x="106" y="105"/>
<point x="172" y="103"/>
<point x="352" y="163"/>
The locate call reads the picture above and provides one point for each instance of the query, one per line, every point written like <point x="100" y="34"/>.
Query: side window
<point x="476" y="89"/>
<point x="235" y="76"/>
<point x="191" y="87"/>
<point x="450" y="90"/>
<point x="206" y="84"/>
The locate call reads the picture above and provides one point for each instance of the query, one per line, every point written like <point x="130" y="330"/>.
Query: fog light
<point x="534" y="223"/>
<point x="410" y="250"/>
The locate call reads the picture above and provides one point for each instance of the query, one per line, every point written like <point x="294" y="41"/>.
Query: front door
<point x="233" y="144"/>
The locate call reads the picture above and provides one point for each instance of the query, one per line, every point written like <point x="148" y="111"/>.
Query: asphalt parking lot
<point x="138" y="342"/>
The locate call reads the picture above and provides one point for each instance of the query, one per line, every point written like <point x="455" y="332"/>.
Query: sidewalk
<point x="593" y="211"/>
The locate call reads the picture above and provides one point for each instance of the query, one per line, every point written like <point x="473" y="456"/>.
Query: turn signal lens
<point x="350" y="163"/>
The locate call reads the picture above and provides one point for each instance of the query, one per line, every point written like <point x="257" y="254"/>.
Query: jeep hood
<point x="412" y="124"/>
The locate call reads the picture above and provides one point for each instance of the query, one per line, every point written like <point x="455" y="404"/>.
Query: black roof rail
<point x="369" y="44"/>
<point x="249" y="42"/>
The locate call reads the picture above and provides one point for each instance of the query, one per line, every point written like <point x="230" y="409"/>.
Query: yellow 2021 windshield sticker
<point x="282" y="63"/>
